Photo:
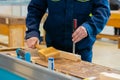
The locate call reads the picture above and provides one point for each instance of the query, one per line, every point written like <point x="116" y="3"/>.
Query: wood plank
<point x="109" y="76"/>
<point x="4" y="30"/>
<point x="48" y="52"/>
<point x="78" y="69"/>
<point x="10" y="48"/>
<point x="45" y="53"/>
<point x="4" y="44"/>
<point x="114" y="19"/>
<point x="119" y="42"/>
<point x="114" y="23"/>
<point x="14" y="28"/>
<point x="112" y="37"/>
<point x="16" y="35"/>
<point x="70" y="56"/>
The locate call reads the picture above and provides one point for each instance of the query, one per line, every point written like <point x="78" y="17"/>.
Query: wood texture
<point x="114" y="19"/>
<point x="16" y="35"/>
<point x="49" y="52"/>
<point x="78" y="69"/>
<point x="70" y="56"/>
<point x="14" y="28"/>
<point x="45" y="53"/>
<point x="4" y="30"/>
<point x="112" y="37"/>
<point x="10" y="48"/>
<point x="109" y="76"/>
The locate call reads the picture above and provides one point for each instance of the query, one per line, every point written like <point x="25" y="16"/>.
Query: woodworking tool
<point x="38" y="46"/>
<point x="56" y="54"/>
<point x="74" y="28"/>
<point x="23" y="55"/>
<point x="51" y="63"/>
<point x="48" y="52"/>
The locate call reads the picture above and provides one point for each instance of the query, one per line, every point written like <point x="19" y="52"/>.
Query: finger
<point x="78" y="37"/>
<point x="31" y="42"/>
<point x="76" y="34"/>
<point x="79" y="34"/>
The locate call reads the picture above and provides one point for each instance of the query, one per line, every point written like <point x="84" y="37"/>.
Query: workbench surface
<point x="80" y="69"/>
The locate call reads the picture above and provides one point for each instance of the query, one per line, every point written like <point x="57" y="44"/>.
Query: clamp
<point x="23" y="55"/>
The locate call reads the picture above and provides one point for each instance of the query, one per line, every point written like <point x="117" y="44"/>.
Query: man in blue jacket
<point x="59" y="24"/>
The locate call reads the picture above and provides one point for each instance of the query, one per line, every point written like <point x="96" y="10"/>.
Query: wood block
<point x="109" y="76"/>
<point x="49" y="52"/>
<point x="52" y="52"/>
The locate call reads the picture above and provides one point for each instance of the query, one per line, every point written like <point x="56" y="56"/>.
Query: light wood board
<point x="78" y="69"/>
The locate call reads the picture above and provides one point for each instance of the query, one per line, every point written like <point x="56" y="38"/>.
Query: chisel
<point x="74" y="27"/>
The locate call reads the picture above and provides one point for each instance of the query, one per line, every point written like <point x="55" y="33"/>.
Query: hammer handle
<point x="38" y="46"/>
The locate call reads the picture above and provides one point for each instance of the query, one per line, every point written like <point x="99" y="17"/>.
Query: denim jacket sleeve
<point x="36" y="10"/>
<point x="100" y="15"/>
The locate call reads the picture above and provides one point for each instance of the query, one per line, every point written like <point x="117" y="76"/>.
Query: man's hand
<point x="31" y="42"/>
<point x="79" y="34"/>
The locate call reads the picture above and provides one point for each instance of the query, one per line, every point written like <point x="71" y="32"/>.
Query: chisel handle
<point x="74" y="24"/>
<point x="74" y="28"/>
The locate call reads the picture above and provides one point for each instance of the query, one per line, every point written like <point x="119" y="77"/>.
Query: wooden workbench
<point x="14" y="28"/>
<point x="114" y="21"/>
<point x="78" y="69"/>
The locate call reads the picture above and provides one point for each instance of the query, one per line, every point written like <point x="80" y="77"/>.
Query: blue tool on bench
<point x="21" y="54"/>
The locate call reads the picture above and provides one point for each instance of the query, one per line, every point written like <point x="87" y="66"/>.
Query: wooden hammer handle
<point x="38" y="46"/>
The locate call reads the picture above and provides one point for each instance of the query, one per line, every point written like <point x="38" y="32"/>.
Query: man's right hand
<point x="31" y="42"/>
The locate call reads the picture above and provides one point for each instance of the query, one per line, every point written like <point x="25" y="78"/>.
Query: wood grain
<point x="78" y="69"/>
<point x="14" y="28"/>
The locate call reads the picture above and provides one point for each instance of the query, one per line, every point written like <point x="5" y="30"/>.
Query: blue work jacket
<point x="59" y="23"/>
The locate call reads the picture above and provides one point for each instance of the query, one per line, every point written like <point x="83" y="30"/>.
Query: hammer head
<point x="49" y="52"/>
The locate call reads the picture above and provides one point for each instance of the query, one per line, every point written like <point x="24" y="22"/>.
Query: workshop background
<point x="106" y="51"/>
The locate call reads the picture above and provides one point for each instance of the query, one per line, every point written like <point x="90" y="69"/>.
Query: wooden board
<point x="114" y="19"/>
<point x="78" y="69"/>
<point x="14" y="28"/>
<point x="109" y="76"/>
<point x="45" y="53"/>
